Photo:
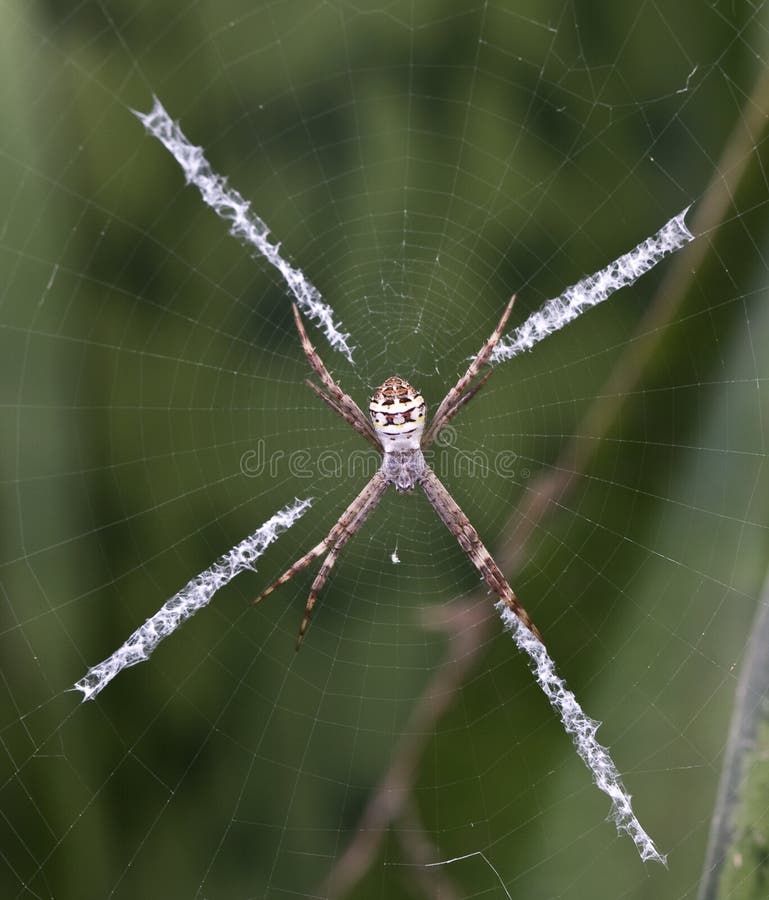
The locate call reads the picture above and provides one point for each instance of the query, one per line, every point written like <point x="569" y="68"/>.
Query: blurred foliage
<point x="420" y="162"/>
<point x="746" y="873"/>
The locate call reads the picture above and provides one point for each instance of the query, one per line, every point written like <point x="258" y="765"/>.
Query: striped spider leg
<point x="398" y="431"/>
<point x="461" y="393"/>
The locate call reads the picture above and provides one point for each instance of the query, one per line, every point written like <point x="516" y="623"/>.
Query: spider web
<point x="418" y="163"/>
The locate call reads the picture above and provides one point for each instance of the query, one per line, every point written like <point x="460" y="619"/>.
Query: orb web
<point x="419" y="166"/>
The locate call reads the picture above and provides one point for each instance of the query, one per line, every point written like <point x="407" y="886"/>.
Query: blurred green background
<point x="419" y="162"/>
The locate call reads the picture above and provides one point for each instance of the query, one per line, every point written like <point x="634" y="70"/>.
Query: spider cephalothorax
<point x="398" y="413"/>
<point x="398" y="433"/>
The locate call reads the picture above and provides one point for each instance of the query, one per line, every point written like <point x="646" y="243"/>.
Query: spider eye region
<point x="398" y="414"/>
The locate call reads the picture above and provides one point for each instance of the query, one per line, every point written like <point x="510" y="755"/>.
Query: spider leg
<point x="345" y="414"/>
<point x="346" y="526"/>
<point x="459" y="394"/>
<point x="320" y="580"/>
<point x="456" y="521"/>
<point x="294" y="569"/>
<point x="347" y="408"/>
<point x="468" y="395"/>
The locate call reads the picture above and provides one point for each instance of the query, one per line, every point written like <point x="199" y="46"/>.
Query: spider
<point x="397" y="431"/>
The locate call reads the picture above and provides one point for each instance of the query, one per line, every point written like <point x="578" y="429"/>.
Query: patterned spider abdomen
<point x="398" y="413"/>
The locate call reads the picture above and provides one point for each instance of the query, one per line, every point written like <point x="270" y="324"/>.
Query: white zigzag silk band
<point x="244" y="224"/>
<point x="594" y="289"/>
<point x="191" y="598"/>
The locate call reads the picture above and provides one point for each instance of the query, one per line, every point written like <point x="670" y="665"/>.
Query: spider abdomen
<point x="398" y="413"/>
<point x="403" y="468"/>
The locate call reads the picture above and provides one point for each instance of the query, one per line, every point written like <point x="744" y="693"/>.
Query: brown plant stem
<point x="467" y="625"/>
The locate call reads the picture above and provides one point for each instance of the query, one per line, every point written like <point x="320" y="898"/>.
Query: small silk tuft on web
<point x="189" y="600"/>
<point x="594" y="289"/>
<point x="245" y="225"/>
<point x="582" y="731"/>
